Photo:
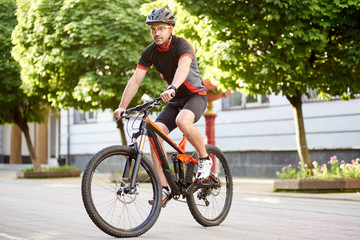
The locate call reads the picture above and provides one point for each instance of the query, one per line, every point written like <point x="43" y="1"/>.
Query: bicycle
<point x="119" y="180"/>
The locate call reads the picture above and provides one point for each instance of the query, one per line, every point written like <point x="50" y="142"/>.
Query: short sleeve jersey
<point x="166" y="62"/>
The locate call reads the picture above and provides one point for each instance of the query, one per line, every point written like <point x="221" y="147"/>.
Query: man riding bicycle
<point x="175" y="59"/>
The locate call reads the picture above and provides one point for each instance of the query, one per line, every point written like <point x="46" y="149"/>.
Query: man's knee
<point x="185" y="119"/>
<point x="183" y="123"/>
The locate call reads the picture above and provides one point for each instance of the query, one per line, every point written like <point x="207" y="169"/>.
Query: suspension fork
<point x="138" y="151"/>
<point x="138" y="148"/>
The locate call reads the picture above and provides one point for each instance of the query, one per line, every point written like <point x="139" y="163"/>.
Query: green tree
<point x="80" y="53"/>
<point x="9" y="69"/>
<point x="15" y="106"/>
<point x="286" y="47"/>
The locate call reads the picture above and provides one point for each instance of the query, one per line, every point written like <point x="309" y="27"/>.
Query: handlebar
<point x="145" y="106"/>
<point x="140" y="108"/>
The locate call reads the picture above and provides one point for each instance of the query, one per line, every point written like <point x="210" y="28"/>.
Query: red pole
<point x="210" y="131"/>
<point x="210" y="127"/>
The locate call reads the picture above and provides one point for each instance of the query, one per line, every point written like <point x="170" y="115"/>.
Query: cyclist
<point x="175" y="59"/>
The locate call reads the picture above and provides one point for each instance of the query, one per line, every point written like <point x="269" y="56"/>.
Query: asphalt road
<point x="52" y="209"/>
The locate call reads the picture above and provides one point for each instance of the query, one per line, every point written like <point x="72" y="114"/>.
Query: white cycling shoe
<point x="204" y="168"/>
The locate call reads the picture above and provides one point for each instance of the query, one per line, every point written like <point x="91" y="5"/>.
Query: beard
<point x="165" y="44"/>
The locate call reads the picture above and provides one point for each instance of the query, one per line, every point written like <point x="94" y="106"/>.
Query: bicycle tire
<point x="112" y="209"/>
<point x="219" y="199"/>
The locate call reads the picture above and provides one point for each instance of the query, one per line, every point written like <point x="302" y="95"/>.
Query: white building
<point x="51" y="144"/>
<point x="256" y="133"/>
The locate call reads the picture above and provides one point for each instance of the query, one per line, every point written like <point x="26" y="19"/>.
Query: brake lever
<point x="123" y="115"/>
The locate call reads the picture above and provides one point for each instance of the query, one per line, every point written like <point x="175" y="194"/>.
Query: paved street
<point x="52" y="209"/>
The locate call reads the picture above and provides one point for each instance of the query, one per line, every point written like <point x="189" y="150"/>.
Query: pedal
<point x="166" y="201"/>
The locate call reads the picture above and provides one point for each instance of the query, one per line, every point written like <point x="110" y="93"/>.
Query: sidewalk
<point x="247" y="186"/>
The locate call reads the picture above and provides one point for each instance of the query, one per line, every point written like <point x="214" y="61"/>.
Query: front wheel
<point x="115" y="207"/>
<point x="210" y="203"/>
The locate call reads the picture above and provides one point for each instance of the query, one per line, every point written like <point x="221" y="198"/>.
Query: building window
<point x="238" y="100"/>
<point x="85" y="117"/>
<point x="314" y="96"/>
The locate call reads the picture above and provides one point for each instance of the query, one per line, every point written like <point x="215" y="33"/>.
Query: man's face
<point x="160" y="32"/>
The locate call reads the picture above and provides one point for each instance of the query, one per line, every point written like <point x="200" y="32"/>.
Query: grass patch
<point x="50" y="169"/>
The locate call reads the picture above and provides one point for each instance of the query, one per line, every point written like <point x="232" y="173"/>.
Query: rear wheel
<point x="111" y="203"/>
<point x="210" y="201"/>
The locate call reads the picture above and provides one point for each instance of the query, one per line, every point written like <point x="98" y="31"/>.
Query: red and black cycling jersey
<point x="166" y="62"/>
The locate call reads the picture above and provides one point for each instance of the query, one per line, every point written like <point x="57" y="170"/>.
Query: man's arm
<point x="179" y="78"/>
<point x="130" y="90"/>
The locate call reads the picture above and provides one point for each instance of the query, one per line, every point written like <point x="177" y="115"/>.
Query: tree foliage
<point x="286" y="47"/>
<point x="81" y="53"/>
<point x="10" y="92"/>
<point x="16" y="107"/>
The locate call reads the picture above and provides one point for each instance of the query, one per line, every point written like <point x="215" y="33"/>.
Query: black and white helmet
<point x="161" y="15"/>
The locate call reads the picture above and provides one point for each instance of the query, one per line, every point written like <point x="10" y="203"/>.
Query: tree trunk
<point x="31" y="149"/>
<point x="23" y="125"/>
<point x="301" y="142"/>
<point x="120" y="126"/>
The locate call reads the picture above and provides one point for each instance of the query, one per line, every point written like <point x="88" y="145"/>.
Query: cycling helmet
<point x="163" y="15"/>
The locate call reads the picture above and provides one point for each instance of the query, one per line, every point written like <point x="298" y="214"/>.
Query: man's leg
<point x="154" y="157"/>
<point x="185" y="122"/>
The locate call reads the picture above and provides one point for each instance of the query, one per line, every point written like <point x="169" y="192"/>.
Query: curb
<point x="343" y="184"/>
<point x="49" y="174"/>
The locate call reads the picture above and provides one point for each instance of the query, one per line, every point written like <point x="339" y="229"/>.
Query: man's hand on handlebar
<point x="167" y="95"/>
<point x="118" y="112"/>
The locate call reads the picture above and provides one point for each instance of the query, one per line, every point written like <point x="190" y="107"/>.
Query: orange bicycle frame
<point x="152" y="130"/>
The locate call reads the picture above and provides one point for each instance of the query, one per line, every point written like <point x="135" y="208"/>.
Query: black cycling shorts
<point x="195" y="103"/>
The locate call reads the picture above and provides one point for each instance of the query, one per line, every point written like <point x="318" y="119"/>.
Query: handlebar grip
<point x="123" y="114"/>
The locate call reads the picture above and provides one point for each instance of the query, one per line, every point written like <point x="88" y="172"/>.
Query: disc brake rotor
<point x="124" y="193"/>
